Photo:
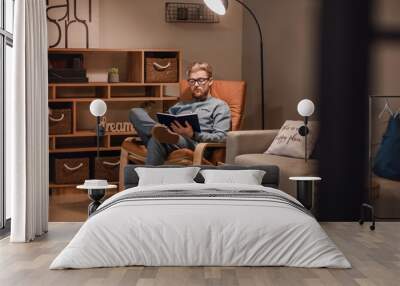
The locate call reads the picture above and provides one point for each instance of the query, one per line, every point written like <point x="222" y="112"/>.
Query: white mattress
<point x="200" y="231"/>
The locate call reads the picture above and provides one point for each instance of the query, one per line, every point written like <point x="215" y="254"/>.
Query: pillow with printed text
<point x="290" y="143"/>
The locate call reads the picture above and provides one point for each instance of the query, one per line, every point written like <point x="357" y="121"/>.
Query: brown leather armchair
<point x="232" y="92"/>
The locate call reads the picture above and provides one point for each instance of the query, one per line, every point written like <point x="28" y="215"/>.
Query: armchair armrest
<point x="201" y="147"/>
<point x="248" y="142"/>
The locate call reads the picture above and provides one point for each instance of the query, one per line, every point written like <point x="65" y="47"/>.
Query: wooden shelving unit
<point x="132" y="91"/>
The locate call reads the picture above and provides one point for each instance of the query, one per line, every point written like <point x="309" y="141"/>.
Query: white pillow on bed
<point x="247" y="177"/>
<point x="166" y="176"/>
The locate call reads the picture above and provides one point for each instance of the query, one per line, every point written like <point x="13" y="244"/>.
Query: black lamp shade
<point x="303" y="130"/>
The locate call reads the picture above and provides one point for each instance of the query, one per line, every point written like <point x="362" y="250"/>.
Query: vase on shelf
<point x="113" y="75"/>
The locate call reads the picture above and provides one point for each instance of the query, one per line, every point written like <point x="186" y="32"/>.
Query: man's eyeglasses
<point x="200" y="81"/>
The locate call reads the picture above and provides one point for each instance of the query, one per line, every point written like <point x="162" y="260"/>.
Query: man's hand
<point x="186" y="130"/>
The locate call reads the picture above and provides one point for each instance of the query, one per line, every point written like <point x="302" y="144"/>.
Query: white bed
<point x="202" y="231"/>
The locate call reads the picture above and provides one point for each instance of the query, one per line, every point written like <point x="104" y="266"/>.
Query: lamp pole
<point x="305" y="138"/>
<point x="261" y="59"/>
<point x="98" y="135"/>
<point x="305" y="108"/>
<point x="98" y="108"/>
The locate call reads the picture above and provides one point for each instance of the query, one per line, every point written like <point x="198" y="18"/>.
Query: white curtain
<point x="27" y="124"/>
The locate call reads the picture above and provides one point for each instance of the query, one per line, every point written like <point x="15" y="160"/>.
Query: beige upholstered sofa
<point x="247" y="148"/>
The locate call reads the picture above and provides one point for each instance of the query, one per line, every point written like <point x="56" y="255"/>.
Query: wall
<point x="141" y="24"/>
<point x="290" y="30"/>
<point x="60" y="12"/>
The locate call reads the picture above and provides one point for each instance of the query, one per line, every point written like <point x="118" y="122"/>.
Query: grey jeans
<point x="156" y="152"/>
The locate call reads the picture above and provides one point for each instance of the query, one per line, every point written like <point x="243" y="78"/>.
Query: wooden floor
<point x="375" y="257"/>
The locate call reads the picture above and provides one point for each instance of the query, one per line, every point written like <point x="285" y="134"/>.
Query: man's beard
<point x="201" y="95"/>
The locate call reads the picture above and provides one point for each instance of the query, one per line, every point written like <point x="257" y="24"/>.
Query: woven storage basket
<point x="107" y="168"/>
<point x="60" y="121"/>
<point x="71" y="171"/>
<point x="161" y="70"/>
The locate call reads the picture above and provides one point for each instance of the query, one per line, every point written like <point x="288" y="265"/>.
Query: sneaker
<point x="164" y="135"/>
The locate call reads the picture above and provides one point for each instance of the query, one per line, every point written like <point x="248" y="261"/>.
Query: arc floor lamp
<point x="219" y="7"/>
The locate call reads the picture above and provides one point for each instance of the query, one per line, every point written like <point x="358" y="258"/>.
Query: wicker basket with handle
<point x="160" y="70"/>
<point x="71" y="171"/>
<point x="107" y="168"/>
<point x="60" y="121"/>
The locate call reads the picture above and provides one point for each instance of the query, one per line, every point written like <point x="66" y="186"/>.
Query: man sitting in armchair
<point x="214" y="118"/>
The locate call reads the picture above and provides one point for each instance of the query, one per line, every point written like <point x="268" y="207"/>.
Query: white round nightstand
<point x="95" y="193"/>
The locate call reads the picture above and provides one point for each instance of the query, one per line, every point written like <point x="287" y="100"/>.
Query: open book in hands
<point x="190" y="118"/>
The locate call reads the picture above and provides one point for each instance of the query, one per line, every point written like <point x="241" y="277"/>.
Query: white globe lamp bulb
<point x="98" y="107"/>
<point x="305" y="108"/>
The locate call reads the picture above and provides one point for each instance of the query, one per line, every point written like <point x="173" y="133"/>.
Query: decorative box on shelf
<point x="161" y="70"/>
<point x="71" y="171"/>
<point x="60" y="121"/>
<point x="107" y="168"/>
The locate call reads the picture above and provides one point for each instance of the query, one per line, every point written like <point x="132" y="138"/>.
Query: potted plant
<point x="113" y="75"/>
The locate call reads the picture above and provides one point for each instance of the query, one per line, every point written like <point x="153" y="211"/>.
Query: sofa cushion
<point x="287" y="167"/>
<point x="290" y="143"/>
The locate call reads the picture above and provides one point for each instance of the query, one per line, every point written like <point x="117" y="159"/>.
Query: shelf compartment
<point x="78" y="142"/>
<point x="116" y="140"/>
<point x="84" y="133"/>
<point x="117" y="111"/>
<point x="171" y="90"/>
<point x="82" y="150"/>
<point x="60" y="105"/>
<point x="135" y="67"/>
<point x="129" y="65"/>
<point x="81" y="91"/>
<point x="121" y="91"/>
